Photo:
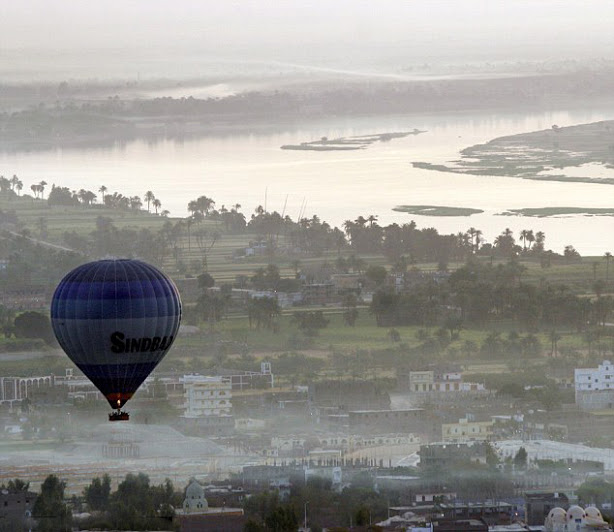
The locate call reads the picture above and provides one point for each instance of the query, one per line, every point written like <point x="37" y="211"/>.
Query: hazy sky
<point x="332" y="32"/>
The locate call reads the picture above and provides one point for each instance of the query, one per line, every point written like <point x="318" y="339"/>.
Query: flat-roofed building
<point x="467" y="430"/>
<point x="595" y="387"/>
<point x="206" y="396"/>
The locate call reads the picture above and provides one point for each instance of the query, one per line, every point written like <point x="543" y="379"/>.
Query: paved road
<point x="44" y="244"/>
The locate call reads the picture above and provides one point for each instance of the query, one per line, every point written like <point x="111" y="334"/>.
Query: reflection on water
<point x="247" y="167"/>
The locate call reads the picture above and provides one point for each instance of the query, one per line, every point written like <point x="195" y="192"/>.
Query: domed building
<point x="556" y="520"/>
<point x="196" y="514"/>
<point x="575" y="519"/>
<point x="195" y="501"/>
<point x="594" y="520"/>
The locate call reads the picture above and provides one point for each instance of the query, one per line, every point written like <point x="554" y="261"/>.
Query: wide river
<point x="248" y="167"/>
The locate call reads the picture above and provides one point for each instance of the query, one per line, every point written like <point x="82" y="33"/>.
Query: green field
<point x="232" y="338"/>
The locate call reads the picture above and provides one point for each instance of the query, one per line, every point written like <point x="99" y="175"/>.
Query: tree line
<point x="136" y="504"/>
<point x="401" y="244"/>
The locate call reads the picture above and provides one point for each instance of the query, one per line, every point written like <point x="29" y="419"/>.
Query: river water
<point x="249" y="168"/>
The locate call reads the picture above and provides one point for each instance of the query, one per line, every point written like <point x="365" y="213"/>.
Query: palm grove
<point x="485" y="288"/>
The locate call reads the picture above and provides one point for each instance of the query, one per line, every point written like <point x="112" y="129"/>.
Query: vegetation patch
<point x="544" y="212"/>
<point x="357" y="142"/>
<point x="529" y="155"/>
<point x="436" y="210"/>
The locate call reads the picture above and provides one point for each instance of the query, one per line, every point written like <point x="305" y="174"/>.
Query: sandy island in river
<point x="541" y="155"/>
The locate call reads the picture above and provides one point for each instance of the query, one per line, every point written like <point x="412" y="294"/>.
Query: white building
<point x="600" y="378"/>
<point x="467" y="430"/>
<point x="429" y="382"/>
<point x="206" y="396"/>
<point x="556" y="451"/>
<point x="595" y="387"/>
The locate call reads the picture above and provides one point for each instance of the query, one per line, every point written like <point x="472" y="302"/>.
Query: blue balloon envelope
<point x="116" y="320"/>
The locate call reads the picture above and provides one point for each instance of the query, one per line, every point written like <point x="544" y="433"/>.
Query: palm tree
<point x="86" y="196"/>
<point x="19" y="186"/>
<point x="192" y="206"/>
<point x="102" y="190"/>
<point x="478" y="239"/>
<point x="204" y="204"/>
<point x="475" y="237"/>
<point x="523" y="237"/>
<point x="505" y="242"/>
<point x="157" y="204"/>
<point x="149" y="197"/>
<point x="188" y="223"/>
<point x="348" y="225"/>
<point x="607" y="256"/>
<point x="540" y="238"/>
<point x="135" y="203"/>
<point x="42" y="185"/>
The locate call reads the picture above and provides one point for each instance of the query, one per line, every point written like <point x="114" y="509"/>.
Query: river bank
<point x="543" y="155"/>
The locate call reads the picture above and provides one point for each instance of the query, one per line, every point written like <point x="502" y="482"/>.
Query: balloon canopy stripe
<point x="99" y="309"/>
<point x="106" y="378"/>
<point x="151" y="288"/>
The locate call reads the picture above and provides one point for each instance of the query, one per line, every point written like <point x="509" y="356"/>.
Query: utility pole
<point x="305" y="521"/>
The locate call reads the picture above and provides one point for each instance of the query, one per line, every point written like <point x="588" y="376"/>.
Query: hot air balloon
<point x="116" y="320"/>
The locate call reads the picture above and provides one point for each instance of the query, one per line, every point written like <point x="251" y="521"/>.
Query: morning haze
<point x="151" y="37"/>
<point x="389" y="225"/>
